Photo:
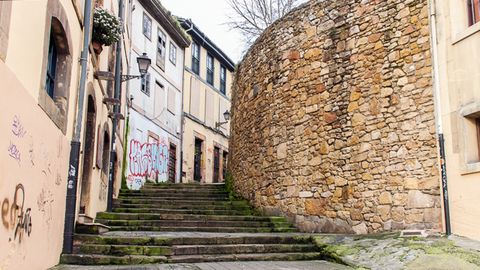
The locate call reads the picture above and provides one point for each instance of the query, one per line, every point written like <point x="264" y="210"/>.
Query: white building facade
<point x="155" y="109"/>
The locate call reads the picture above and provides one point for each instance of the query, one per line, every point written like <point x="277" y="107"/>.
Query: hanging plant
<point x="106" y="28"/>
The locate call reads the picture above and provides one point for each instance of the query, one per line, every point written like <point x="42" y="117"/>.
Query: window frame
<point x="210" y="78"/>
<point x="145" y="84"/>
<point x="147" y="32"/>
<point x="195" y="58"/>
<point x="161" y="48"/>
<point x="51" y="71"/>
<point x="223" y="79"/>
<point x="473" y="11"/>
<point x="173" y="54"/>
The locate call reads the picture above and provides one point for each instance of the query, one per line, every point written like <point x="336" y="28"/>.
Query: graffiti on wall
<point x="147" y="161"/>
<point x="14" y="215"/>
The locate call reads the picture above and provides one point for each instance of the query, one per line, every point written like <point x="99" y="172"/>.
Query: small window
<point x="210" y="69"/>
<point x="161" y="47"/>
<point x="147" y="26"/>
<point x="473" y="11"/>
<point x="146" y="84"/>
<point x="223" y="80"/>
<point x="51" y="67"/>
<point x="196" y="58"/>
<point x="173" y="54"/>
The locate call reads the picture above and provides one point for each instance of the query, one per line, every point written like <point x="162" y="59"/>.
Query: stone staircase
<point x="186" y="223"/>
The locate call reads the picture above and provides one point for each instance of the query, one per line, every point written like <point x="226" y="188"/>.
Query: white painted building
<point x="155" y="112"/>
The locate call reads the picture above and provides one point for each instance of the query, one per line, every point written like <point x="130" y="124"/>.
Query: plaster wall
<point x="460" y="103"/>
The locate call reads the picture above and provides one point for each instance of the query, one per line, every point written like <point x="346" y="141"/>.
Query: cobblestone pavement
<point x="301" y="265"/>
<point x="389" y="251"/>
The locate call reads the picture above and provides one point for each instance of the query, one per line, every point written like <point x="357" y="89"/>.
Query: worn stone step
<point x="95" y="259"/>
<point x="174" y="191"/>
<point x="122" y="250"/>
<point x="182" y="211"/>
<point x="172" y="198"/>
<point x="81" y="239"/>
<point x="247" y="257"/>
<point x="241" y="249"/>
<point x="190" y="223"/>
<point x="184" y="187"/>
<point x="190" y="217"/>
<point x="177" y="201"/>
<point x="203" y="229"/>
<point x="183" y="206"/>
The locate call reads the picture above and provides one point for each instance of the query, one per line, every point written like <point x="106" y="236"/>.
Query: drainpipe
<point x="438" y="116"/>
<point x="71" y="200"/>
<point x="116" y="108"/>
<point x="182" y="119"/>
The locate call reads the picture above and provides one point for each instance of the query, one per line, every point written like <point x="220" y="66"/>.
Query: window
<point x="196" y="58"/>
<point x="147" y="26"/>
<point x="473" y="11"/>
<point x="173" y="54"/>
<point x="210" y="69"/>
<point x="223" y="80"/>
<point x="56" y="71"/>
<point x="51" y="67"/>
<point x="161" y="45"/>
<point x="146" y="84"/>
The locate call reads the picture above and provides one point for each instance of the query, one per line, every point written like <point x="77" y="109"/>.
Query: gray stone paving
<point x="299" y="265"/>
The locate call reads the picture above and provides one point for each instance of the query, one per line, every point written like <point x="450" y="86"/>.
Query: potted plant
<point x="106" y="29"/>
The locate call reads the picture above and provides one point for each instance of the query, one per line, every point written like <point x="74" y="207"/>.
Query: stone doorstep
<point x="413" y="233"/>
<point x="92" y="228"/>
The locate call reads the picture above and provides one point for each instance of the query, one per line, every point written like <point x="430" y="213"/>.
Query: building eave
<point x="167" y="21"/>
<point x="199" y="37"/>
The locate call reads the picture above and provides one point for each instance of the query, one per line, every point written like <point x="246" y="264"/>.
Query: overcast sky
<point x="209" y="16"/>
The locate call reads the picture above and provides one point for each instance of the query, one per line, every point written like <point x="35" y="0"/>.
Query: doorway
<point x="224" y="165"/>
<point x="216" y="164"/>
<point x="172" y="163"/>
<point x="88" y="155"/>
<point x="197" y="166"/>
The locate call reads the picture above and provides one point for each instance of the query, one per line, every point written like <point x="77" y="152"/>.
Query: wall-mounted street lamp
<point x="226" y="115"/>
<point x="143" y="65"/>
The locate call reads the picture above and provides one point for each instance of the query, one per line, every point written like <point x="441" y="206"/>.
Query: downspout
<point x="438" y="116"/>
<point x="182" y="106"/>
<point x="182" y="118"/>
<point x="71" y="200"/>
<point x="116" y="108"/>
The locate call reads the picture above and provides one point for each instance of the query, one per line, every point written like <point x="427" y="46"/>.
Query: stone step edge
<point x="169" y="250"/>
<point x="89" y="259"/>
<point x="205" y="240"/>
<point x="199" y="216"/>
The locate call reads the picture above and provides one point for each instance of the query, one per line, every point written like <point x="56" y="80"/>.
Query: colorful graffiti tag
<point x="147" y="161"/>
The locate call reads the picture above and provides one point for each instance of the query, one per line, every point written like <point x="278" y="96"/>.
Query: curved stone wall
<point x="333" y="121"/>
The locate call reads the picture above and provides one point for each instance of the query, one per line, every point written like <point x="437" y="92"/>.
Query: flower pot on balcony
<point x="97" y="47"/>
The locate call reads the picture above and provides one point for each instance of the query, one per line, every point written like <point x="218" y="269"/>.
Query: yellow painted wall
<point x="460" y="92"/>
<point x="205" y="128"/>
